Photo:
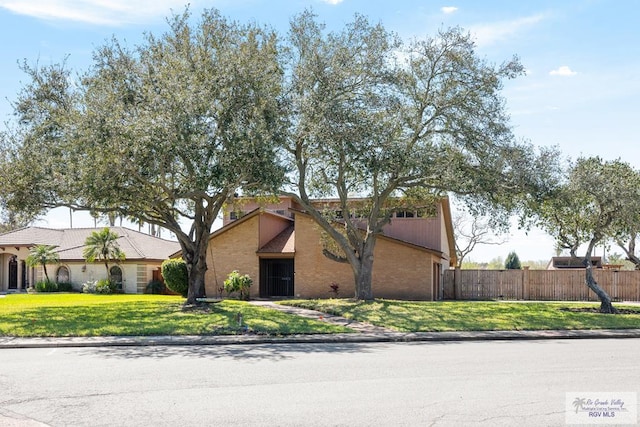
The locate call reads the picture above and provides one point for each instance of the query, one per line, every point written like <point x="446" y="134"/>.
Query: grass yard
<point x="61" y="315"/>
<point x="406" y="316"/>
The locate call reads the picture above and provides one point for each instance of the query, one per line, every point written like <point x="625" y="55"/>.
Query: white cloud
<point x="487" y="34"/>
<point x="333" y="2"/>
<point x="448" y="9"/>
<point x="563" y="71"/>
<point x="97" y="12"/>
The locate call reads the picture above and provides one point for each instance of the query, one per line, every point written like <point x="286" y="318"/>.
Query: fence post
<point x="525" y="283"/>
<point x="457" y="292"/>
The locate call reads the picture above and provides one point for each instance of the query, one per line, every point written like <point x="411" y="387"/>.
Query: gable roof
<point x="388" y="238"/>
<point x="283" y="243"/>
<point x="244" y="218"/>
<point x="69" y="242"/>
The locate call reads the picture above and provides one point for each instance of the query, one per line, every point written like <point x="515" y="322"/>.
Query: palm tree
<point x="103" y="246"/>
<point x="42" y="255"/>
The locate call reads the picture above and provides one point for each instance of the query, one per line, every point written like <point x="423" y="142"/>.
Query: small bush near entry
<point x="237" y="283"/>
<point x="155" y="287"/>
<point x="46" y="286"/>
<point x="175" y="276"/>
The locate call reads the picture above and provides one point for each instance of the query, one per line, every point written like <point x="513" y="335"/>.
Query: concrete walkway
<point x="324" y="317"/>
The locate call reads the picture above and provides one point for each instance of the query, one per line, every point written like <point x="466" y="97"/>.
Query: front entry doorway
<point x="276" y="278"/>
<point x="13" y="273"/>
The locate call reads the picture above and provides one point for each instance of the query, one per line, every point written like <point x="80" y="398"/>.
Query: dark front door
<point x="23" y="276"/>
<point x="276" y="278"/>
<point x="13" y="273"/>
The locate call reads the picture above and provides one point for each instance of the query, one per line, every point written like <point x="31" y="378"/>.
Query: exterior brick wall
<point x="234" y="249"/>
<point x="402" y="272"/>
<point x="314" y="272"/>
<point x="399" y="271"/>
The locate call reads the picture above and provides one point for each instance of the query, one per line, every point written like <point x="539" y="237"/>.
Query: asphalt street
<point x="448" y="383"/>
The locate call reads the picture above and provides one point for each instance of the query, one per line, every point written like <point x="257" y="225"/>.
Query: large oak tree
<point x="165" y="132"/>
<point x="376" y="117"/>
<point x="598" y="201"/>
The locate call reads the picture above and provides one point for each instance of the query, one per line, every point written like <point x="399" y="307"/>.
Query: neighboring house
<point x="280" y="247"/>
<point x="564" y="262"/>
<point x="144" y="255"/>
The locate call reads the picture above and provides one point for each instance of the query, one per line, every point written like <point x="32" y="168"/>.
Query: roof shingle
<point x="69" y="242"/>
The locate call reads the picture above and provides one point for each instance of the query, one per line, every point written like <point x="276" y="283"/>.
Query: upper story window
<point x="233" y="215"/>
<point x="405" y="214"/>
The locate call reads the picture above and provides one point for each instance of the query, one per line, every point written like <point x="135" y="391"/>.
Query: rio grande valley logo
<point x="601" y="408"/>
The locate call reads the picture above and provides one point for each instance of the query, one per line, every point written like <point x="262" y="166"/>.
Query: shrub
<point x="65" y="287"/>
<point x="46" y="286"/>
<point x="102" y="286"/>
<point x="155" y="287"/>
<point x="237" y="283"/>
<point x="335" y="289"/>
<point x="51" y="286"/>
<point x="89" y="287"/>
<point x="175" y="276"/>
<point x="105" y="286"/>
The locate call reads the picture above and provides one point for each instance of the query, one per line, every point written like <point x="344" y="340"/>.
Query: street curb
<point x="190" y="340"/>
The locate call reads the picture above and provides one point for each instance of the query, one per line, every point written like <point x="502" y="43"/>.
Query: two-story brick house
<point x="280" y="247"/>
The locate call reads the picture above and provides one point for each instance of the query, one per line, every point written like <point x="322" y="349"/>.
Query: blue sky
<point x="582" y="59"/>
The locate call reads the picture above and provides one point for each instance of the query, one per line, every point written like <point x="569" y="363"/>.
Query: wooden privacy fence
<point x="559" y="285"/>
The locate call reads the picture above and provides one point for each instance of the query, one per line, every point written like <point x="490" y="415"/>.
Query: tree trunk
<point x="196" y="268"/>
<point x="196" y="282"/>
<point x="605" y="299"/>
<point x="364" y="275"/>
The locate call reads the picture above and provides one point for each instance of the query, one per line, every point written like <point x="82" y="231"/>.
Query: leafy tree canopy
<point x="164" y="132"/>
<point x="170" y="129"/>
<point x="598" y="201"/>
<point x="374" y="116"/>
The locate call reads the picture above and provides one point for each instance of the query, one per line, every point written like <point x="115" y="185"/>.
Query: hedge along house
<point x="144" y="255"/>
<point x="280" y="247"/>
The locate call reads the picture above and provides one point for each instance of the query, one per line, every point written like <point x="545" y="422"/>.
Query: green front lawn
<point x="60" y="315"/>
<point x="406" y="316"/>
